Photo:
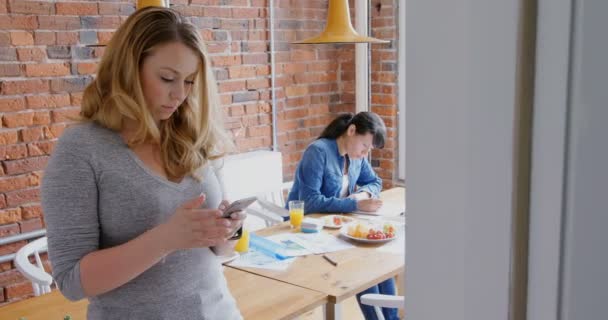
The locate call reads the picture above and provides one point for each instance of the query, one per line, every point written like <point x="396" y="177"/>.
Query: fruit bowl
<point x="369" y="232"/>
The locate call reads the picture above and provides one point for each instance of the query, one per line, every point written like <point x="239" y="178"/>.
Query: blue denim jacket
<point x="318" y="179"/>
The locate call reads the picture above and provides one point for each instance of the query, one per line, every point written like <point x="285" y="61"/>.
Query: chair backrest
<point x="41" y="280"/>
<point x="256" y="173"/>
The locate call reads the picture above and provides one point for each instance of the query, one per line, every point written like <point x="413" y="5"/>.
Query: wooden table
<point x="263" y="298"/>
<point x="257" y="297"/>
<point x="358" y="268"/>
<point x="50" y="306"/>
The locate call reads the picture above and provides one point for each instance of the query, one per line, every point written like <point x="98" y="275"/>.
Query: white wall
<point x="548" y="157"/>
<point x="585" y="238"/>
<point x="460" y="97"/>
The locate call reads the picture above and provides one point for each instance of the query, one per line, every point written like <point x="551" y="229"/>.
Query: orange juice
<point x="295" y="217"/>
<point x="242" y="245"/>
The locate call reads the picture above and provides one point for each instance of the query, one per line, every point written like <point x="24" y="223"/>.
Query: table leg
<point x="332" y="311"/>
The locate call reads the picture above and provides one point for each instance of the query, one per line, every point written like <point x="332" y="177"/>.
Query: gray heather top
<point x="97" y="194"/>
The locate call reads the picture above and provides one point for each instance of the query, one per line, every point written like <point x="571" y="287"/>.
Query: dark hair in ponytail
<point x="365" y="122"/>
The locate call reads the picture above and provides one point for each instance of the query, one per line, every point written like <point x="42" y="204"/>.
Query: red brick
<point x="47" y="69"/>
<point x="232" y="86"/>
<point x="3" y="9"/>
<point x="258" y="83"/>
<point x="75" y="84"/>
<point x="242" y="71"/>
<point x="31" y="54"/>
<point x="10" y="70"/>
<point x="31" y="7"/>
<point x="86" y="67"/>
<point x="21" y="119"/>
<point x="56" y="22"/>
<point x="24" y="86"/>
<point x="41" y="118"/>
<point x="44" y="38"/>
<point x="49" y="101"/>
<point x="19" y="290"/>
<point x="256" y="58"/>
<point x="76" y="98"/>
<point x="65" y="114"/>
<point x="103" y="37"/>
<point x="8" y="137"/>
<point x="18" y="22"/>
<point x="31" y="211"/>
<point x="25" y="165"/>
<point x="208" y="2"/>
<point x="7" y="230"/>
<point x="219" y="61"/>
<point x="67" y="38"/>
<point x="40" y="148"/>
<point x="2" y="198"/>
<point x="10" y="215"/>
<point x="8" y="104"/>
<point x="20" y="197"/>
<point x="116" y="9"/>
<point x="236" y="111"/>
<point x="259" y="131"/>
<point x="13" y="183"/>
<point x="76" y="9"/>
<point x="31" y="134"/>
<point x="11" y="276"/>
<point x="245" y="13"/>
<point x="16" y="151"/>
<point x="296" y="91"/>
<point x="54" y="131"/>
<point x="217" y="12"/>
<point x="22" y="38"/>
<point x="30" y="225"/>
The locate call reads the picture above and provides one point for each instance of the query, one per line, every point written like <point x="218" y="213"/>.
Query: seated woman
<point x="335" y="176"/>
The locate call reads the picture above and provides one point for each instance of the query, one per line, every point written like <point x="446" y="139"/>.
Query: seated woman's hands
<point x="369" y="205"/>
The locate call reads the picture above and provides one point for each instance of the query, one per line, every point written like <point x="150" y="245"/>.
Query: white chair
<point x="41" y="280"/>
<point x="259" y="174"/>
<point x="379" y="301"/>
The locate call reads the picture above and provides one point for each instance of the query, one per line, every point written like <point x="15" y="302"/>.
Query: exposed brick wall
<point x="384" y="85"/>
<point x="45" y="65"/>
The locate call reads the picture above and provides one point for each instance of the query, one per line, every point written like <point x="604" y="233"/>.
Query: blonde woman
<point x="132" y="205"/>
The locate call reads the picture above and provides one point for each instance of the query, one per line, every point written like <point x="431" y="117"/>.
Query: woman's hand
<point x="236" y="218"/>
<point x="193" y="227"/>
<point x="369" y="205"/>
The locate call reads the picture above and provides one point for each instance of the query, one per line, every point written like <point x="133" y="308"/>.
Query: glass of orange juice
<point x="242" y="245"/>
<point x="296" y="213"/>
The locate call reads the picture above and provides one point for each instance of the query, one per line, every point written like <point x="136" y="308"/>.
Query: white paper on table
<point x="256" y="259"/>
<point x="388" y="209"/>
<point x="320" y="242"/>
<point x="292" y="247"/>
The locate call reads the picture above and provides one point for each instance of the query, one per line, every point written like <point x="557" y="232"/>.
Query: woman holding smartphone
<point x="132" y="204"/>
<point x="335" y="176"/>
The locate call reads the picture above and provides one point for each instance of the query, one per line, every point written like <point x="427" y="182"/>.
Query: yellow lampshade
<point x="151" y="3"/>
<point x="339" y="29"/>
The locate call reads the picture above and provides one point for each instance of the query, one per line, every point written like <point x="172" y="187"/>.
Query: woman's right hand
<point x="193" y="227"/>
<point x="370" y="205"/>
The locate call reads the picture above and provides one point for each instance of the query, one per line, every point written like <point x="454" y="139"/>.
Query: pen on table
<point x="330" y="260"/>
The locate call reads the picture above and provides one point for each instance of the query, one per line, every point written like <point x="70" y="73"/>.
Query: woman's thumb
<point x="195" y="202"/>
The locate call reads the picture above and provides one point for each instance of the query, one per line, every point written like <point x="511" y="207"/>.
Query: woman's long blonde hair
<point x="194" y="134"/>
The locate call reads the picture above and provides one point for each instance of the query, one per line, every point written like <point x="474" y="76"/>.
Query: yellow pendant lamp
<point x="339" y="28"/>
<point x="152" y="3"/>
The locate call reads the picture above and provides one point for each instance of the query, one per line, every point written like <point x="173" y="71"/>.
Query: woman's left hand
<point x="236" y="218"/>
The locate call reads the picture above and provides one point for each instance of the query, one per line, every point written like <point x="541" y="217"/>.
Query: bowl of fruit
<point x="370" y="232"/>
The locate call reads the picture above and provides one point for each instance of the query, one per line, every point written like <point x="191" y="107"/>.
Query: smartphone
<point x="238" y="205"/>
